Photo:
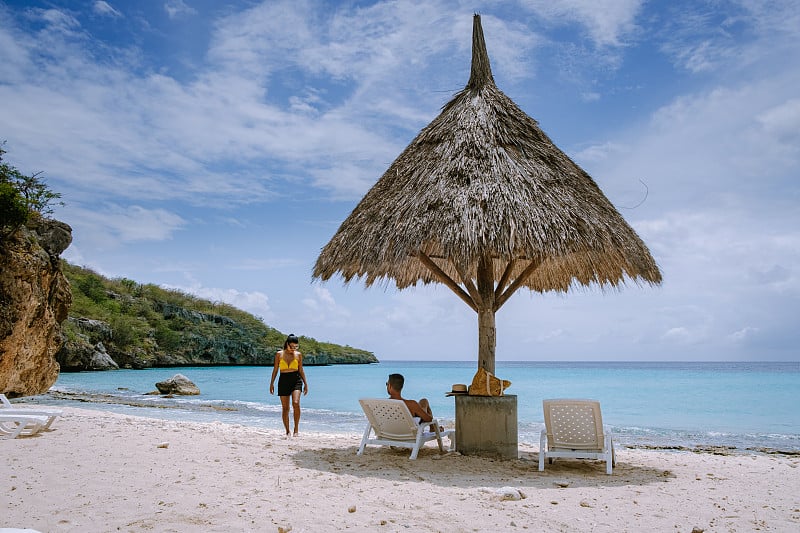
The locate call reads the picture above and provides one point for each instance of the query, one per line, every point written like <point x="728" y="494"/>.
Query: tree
<point x="22" y="197"/>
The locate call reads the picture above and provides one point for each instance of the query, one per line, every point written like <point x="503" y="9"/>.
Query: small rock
<point x="505" y="493"/>
<point x="509" y="493"/>
<point x="584" y="503"/>
<point x="284" y="529"/>
<point x="163" y="445"/>
<point x="697" y="530"/>
<point x="351" y="509"/>
<point x="561" y="484"/>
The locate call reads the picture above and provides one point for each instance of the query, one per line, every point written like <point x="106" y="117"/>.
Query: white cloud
<point x="743" y="334"/>
<point x="607" y="22"/>
<point x="254" y="302"/>
<point x="176" y="8"/>
<point x="550" y="335"/>
<point x="115" y="225"/>
<point x="321" y="302"/>
<point x="680" y="334"/>
<point x="782" y="123"/>
<point x="104" y="8"/>
<point x="60" y="22"/>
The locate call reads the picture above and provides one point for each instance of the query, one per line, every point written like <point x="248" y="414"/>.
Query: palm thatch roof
<point x="483" y="186"/>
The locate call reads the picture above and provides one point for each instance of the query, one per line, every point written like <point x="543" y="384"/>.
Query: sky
<point x="215" y="146"/>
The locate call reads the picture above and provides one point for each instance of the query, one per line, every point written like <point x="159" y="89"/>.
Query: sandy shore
<point x="102" y="472"/>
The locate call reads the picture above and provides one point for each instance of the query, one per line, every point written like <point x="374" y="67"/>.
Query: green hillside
<point x="143" y="325"/>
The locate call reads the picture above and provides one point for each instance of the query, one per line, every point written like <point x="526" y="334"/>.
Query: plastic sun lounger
<point x="574" y="429"/>
<point x="393" y="425"/>
<point x="6" y="408"/>
<point x="20" y="425"/>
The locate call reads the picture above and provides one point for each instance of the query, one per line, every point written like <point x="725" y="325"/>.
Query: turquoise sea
<point x="742" y="405"/>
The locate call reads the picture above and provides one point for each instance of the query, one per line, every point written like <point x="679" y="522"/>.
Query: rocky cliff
<point x="123" y="324"/>
<point x="34" y="301"/>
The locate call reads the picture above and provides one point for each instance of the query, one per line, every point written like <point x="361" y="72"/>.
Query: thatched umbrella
<point x="484" y="202"/>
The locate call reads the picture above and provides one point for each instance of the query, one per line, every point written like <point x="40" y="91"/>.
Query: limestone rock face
<point x="178" y="384"/>
<point x="84" y="353"/>
<point x="100" y="359"/>
<point x="34" y="301"/>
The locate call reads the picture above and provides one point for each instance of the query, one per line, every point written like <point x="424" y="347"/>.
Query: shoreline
<point x="217" y="408"/>
<point x="104" y="471"/>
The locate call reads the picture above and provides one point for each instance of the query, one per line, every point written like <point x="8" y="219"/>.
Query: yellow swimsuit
<point x="289" y="367"/>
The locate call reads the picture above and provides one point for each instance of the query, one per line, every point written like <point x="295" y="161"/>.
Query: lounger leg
<point x="364" y="439"/>
<point x="23" y="427"/>
<point x="613" y="453"/>
<point x="609" y="454"/>
<point x="542" y="448"/>
<point x="418" y="442"/>
<point x="451" y="436"/>
<point x="438" y="435"/>
<point x="12" y="430"/>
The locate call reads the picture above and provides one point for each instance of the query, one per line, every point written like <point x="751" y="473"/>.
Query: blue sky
<point x="215" y="147"/>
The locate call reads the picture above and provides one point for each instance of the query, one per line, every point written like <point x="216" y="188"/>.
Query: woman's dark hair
<point x="291" y="339"/>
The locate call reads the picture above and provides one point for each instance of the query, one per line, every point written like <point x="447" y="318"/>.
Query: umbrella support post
<point x="487" y="426"/>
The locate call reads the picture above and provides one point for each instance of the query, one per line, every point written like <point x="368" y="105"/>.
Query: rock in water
<point x="178" y="384"/>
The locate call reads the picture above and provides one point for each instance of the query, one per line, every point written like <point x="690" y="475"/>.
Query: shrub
<point x="21" y="196"/>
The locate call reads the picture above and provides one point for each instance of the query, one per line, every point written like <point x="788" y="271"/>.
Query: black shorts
<point x="288" y="382"/>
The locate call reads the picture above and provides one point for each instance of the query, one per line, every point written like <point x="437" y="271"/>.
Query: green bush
<point x="128" y="331"/>
<point x="92" y="286"/>
<point x="21" y="196"/>
<point x="168" y="339"/>
<point x="13" y="211"/>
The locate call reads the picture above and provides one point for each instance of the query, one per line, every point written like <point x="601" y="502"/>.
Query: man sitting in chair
<point x="421" y="409"/>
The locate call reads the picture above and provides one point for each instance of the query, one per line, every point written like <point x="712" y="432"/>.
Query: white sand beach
<point x="100" y="472"/>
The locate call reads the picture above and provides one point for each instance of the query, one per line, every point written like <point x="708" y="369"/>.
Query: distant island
<point x="119" y="323"/>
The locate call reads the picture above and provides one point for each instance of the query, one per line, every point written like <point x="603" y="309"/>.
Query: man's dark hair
<point x="397" y="381"/>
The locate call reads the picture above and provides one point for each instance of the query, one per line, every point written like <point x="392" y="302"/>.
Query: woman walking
<point x="289" y="362"/>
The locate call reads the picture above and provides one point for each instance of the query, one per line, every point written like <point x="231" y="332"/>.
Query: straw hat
<point x="458" y="388"/>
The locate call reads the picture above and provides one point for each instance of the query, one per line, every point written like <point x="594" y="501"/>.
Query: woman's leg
<point x="285" y="412"/>
<point x="296" y="408"/>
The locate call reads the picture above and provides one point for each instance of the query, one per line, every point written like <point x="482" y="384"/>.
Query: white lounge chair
<point x="574" y="429"/>
<point x="16" y="425"/>
<point x="7" y="408"/>
<point x="393" y="425"/>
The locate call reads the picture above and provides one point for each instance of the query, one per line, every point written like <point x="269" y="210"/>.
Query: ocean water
<point x="740" y="405"/>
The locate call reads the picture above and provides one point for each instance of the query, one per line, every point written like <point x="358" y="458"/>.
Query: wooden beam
<point x="498" y="302"/>
<point x="471" y="288"/>
<point x="504" y="279"/>
<point x="447" y="280"/>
